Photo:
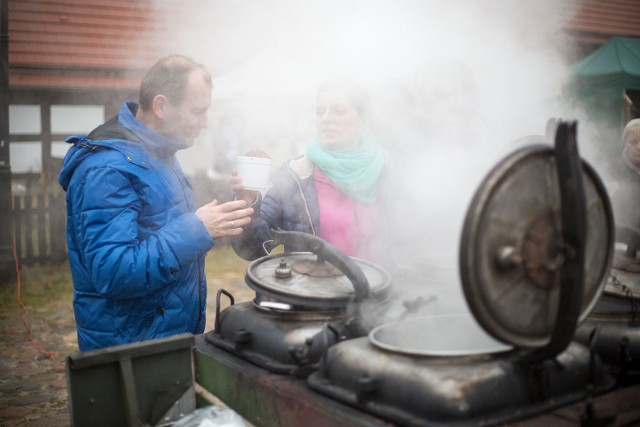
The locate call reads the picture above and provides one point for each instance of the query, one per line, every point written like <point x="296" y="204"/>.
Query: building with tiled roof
<point x="95" y="52"/>
<point x="108" y="44"/>
<point x="80" y="59"/>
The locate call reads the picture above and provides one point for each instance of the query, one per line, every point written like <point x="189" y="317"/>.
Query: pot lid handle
<point x="573" y="227"/>
<point x="326" y="252"/>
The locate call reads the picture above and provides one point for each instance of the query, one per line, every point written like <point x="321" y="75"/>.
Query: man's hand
<point x="226" y="219"/>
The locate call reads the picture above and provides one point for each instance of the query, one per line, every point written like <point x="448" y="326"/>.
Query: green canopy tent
<point x="600" y="79"/>
<point x="598" y="85"/>
<point x="614" y="65"/>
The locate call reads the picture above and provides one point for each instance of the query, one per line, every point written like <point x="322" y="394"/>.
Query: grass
<point x="42" y="285"/>
<point x="39" y="286"/>
<point x="222" y="261"/>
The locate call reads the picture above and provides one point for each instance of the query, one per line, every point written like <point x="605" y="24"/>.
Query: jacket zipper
<point x="304" y="200"/>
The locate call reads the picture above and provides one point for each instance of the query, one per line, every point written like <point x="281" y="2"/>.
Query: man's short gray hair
<point x="169" y="77"/>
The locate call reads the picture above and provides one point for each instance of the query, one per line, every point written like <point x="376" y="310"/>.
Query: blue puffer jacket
<point x="136" y="248"/>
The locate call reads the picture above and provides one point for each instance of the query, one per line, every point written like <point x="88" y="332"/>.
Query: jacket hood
<point x="84" y="147"/>
<point x="75" y="155"/>
<point x="123" y="133"/>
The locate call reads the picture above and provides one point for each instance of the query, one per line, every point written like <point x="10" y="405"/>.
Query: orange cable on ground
<point x="35" y="342"/>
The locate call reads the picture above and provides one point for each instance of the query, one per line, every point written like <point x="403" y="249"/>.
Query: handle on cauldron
<point x="218" y="305"/>
<point x="327" y="252"/>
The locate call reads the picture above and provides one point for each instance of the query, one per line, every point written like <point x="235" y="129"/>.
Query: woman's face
<point x="338" y="122"/>
<point x="632" y="147"/>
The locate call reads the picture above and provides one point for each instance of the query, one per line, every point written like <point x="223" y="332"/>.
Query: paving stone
<point x="6" y="366"/>
<point x="15" y="411"/>
<point x="10" y="387"/>
<point x="45" y="377"/>
<point x="59" y="384"/>
<point x="31" y="399"/>
<point x="51" y="420"/>
<point x="29" y="386"/>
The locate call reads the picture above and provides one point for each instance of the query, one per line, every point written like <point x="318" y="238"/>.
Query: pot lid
<point x="512" y="247"/>
<point x="306" y="279"/>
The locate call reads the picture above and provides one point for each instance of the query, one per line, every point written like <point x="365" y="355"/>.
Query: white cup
<point x="254" y="171"/>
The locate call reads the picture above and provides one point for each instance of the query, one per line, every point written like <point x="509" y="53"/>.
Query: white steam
<point x="262" y="52"/>
<point x="453" y="84"/>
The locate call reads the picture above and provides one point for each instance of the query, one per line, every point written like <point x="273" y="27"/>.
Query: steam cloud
<point x="453" y="84"/>
<point x="508" y="55"/>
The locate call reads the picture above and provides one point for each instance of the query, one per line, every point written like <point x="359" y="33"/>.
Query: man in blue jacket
<point x="136" y="240"/>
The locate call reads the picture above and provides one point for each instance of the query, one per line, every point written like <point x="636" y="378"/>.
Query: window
<point x="35" y="145"/>
<point x="26" y="157"/>
<point x="59" y="149"/>
<point x="71" y="119"/>
<point x="24" y="120"/>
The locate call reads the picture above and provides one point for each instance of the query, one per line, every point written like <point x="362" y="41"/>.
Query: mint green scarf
<point x="354" y="170"/>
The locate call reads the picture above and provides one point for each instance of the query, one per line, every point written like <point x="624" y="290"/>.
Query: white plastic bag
<point x="211" y="416"/>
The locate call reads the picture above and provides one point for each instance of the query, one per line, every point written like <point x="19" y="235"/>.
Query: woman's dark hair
<point x="169" y="77"/>
<point x="356" y="94"/>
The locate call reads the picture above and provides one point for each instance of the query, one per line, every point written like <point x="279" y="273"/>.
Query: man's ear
<point x="159" y="105"/>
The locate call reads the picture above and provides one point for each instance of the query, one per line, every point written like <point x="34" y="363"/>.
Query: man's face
<point x="338" y="122"/>
<point x="183" y="121"/>
<point x="632" y="147"/>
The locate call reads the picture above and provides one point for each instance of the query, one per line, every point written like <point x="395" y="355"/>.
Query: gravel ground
<point x="33" y="388"/>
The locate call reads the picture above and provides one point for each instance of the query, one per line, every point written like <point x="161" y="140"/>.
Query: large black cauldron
<point x="304" y="303"/>
<point x="534" y="252"/>
<point x="613" y="327"/>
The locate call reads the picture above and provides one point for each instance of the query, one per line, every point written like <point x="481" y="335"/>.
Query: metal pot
<point x="534" y="252"/>
<point x="613" y="327"/>
<point x="304" y="303"/>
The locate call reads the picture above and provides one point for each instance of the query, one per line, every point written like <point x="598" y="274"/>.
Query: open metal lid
<point x="304" y="279"/>
<point x="512" y="247"/>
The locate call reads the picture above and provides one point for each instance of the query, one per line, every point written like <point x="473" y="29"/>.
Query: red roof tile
<point x="98" y="43"/>
<point x="55" y="42"/>
<point x="598" y="20"/>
